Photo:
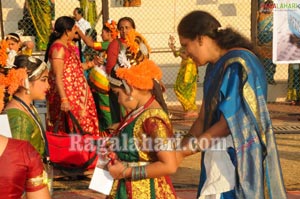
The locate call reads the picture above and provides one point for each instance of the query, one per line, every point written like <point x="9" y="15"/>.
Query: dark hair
<point x="30" y="63"/>
<point x="198" y="23"/>
<point x="93" y="33"/>
<point x="106" y="28"/>
<point x="79" y="10"/>
<point x="129" y="19"/>
<point x="62" y="24"/>
<point x="13" y="36"/>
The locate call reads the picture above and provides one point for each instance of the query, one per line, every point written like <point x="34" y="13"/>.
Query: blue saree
<point x="240" y="95"/>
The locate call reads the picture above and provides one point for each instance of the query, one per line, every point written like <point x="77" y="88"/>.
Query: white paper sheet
<point x="101" y="181"/>
<point x="4" y="126"/>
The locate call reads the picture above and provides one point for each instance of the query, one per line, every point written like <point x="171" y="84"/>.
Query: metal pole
<point x="105" y="10"/>
<point x="1" y="21"/>
<point x="254" y="13"/>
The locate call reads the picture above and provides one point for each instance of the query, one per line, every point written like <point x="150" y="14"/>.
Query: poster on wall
<point x="286" y="32"/>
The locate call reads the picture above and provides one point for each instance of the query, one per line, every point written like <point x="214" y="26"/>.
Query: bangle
<point x="124" y="172"/>
<point x="138" y="173"/>
<point x="143" y="172"/>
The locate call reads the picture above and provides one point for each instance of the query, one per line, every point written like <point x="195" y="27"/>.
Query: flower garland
<point x="133" y="45"/>
<point x="137" y="69"/>
<point x="2" y="89"/>
<point x="3" y="53"/>
<point x="10" y="79"/>
<point x="112" y="26"/>
<point x="140" y="76"/>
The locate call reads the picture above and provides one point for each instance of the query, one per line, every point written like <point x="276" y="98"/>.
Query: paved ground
<point x="287" y="127"/>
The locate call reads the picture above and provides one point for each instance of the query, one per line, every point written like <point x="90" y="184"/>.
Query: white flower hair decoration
<point x="123" y="60"/>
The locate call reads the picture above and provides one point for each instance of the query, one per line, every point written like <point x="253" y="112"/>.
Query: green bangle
<point x="124" y="172"/>
<point x="143" y="174"/>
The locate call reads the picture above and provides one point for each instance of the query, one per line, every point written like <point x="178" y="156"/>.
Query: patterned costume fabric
<point x="77" y="91"/>
<point x="186" y="85"/>
<point x="21" y="169"/>
<point x="240" y="95"/>
<point x="101" y="98"/>
<point x="152" y="123"/>
<point x="24" y="127"/>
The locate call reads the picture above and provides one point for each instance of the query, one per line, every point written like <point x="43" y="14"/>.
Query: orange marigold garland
<point x="15" y="78"/>
<point x="2" y="90"/>
<point x="140" y="76"/>
<point x="131" y="41"/>
<point x="3" y="79"/>
<point x="10" y="79"/>
<point x="112" y="26"/>
<point x="3" y="53"/>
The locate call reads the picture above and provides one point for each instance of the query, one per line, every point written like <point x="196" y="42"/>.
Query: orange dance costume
<point x="76" y="88"/>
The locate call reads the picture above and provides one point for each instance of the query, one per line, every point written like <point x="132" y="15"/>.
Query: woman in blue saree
<point x="233" y="130"/>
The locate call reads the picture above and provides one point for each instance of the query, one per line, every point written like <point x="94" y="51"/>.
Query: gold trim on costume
<point x="161" y="133"/>
<point x="141" y="188"/>
<point x="38" y="180"/>
<point x="249" y="94"/>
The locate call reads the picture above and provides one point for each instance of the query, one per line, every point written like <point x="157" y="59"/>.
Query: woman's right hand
<point x="65" y="106"/>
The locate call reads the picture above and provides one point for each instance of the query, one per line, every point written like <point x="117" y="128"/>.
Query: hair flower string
<point x="112" y="26"/>
<point x="219" y="29"/>
<point x="135" y="41"/>
<point x="135" y="69"/>
<point x="3" y="53"/>
<point x="122" y="59"/>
